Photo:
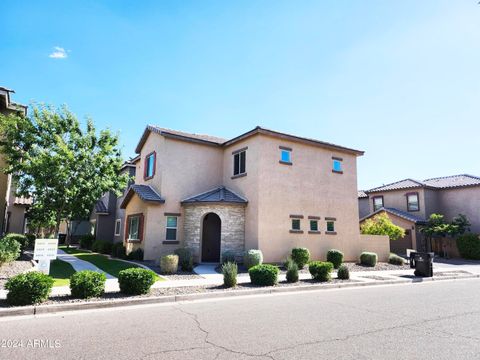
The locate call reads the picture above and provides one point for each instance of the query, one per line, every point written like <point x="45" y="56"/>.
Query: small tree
<point x="437" y="227"/>
<point x="381" y="224"/>
<point x="65" y="168"/>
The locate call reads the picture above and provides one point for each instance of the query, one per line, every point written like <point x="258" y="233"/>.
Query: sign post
<point x="45" y="250"/>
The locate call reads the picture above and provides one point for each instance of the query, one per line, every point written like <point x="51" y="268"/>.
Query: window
<point x="150" y="161"/>
<point x="134" y="227"/>
<point x="412" y="202"/>
<point x="171" y="228"/>
<point x="330" y="226"/>
<point x="377" y="203"/>
<point x="239" y="159"/>
<point x="295" y="224"/>
<point x="337" y="165"/>
<point x="313" y="225"/>
<point x="118" y="224"/>
<point x="285" y="155"/>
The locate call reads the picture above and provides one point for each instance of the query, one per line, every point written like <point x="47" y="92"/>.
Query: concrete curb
<point x="47" y="309"/>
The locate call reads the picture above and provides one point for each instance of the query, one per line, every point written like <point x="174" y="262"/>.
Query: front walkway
<point x="80" y="265"/>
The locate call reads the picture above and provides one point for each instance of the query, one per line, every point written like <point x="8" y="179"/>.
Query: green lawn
<point x="111" y="266"/>
<point x="61" y="271"/>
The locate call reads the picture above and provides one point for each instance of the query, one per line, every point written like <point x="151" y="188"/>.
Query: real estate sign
<point x="45" y="250"/>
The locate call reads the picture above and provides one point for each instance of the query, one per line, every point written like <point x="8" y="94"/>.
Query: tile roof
<point x="453" y="181"/>
<point x="400" y="213"/>
<point x="144" y="192"/>
<point x="220" y="194"/>
<point x="402" y="184"/>
<point x="362" y="194"/>
<point x="101" y="208"/>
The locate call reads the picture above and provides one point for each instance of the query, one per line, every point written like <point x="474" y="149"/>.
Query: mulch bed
<point x="16" y="267"/>
<point x="181" y="291"/>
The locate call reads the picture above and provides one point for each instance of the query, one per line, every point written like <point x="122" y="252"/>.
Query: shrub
<point x="263" y="275"/>
<point x="229" y="271"/>
<point x="292" y="271"/>
<point x="136" y="254"/>
<point x="86" y="284"/>
<point x="368" y="258"/>
<point x="86" y="241"/>
<point x="469" y="246"/>
<point x="30" y="240"/>
<point x="30" y="288"/>
<point x="21" y="239"/>
<point x="396" y="260"/>
<point x="252" y="258"/>
<point x="320" y="271"/>
<point x="343" y="273"/>
<point x="228" y="256"/>
<point x="185" y="259"/>
<point x="300" y="256"/>
<point x="335" y="257"/>
<point x="102" y="246"/>
<point x="135" y="281"/>
<point x="9" y="250"/>
<point x="169" y="264"/>
<point x="119" y="251"/>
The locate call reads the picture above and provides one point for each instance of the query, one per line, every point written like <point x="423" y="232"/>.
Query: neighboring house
<point x="107" y="217"/>
<point x="409" y="203"/>
<point x="261" y="190"/>
<point x="12" y="208"/>
<point x="363" y="204"/>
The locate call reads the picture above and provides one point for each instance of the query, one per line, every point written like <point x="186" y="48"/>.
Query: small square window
<point x="313" y="225"/>
<point x="337" y="165"/>
<point x="330" y="226"/>
<point x="171" y="233"/>
<point x="377" y="203"/>
<point x="295" y="224"/>
<point x="285" y="156"/>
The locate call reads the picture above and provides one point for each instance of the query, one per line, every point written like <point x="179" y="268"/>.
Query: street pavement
<point x="431" y="320"/>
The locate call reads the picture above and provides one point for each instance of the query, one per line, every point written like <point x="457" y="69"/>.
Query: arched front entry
<point x="211" y="238"/>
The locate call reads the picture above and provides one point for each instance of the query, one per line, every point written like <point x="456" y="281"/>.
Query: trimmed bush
<point x="368" y="258"/>
<point x="229" y="271"/>
<point x="27" y="289"/>
<point x="86" y="241"/>
<point x="169" y="264"/>
<point x="300" y="256"/>
<point x="469" y="246"/>
<point x="228" y="256"/>
<point x="292" y="271"/>
<point x="136" y="281"/>
<point x="102" y="246"/>
<point x="343" y="273"/>
<point x="320" y="271"/>
<point x="21" y="239"/>
<point x="335" y="257"/>
<point x="264" y="275"/>
<point x="87" y="284"/>
<point x="252" y="258"/>
<point x="9" y="250"/>
<point x="119" y="251"/>
<point x="396" y="260"/>
<point x="185" y="259"/>
<point x="136" y="254"/>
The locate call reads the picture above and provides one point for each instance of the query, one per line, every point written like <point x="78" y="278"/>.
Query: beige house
<point x="261" y="190"/>
<point x="12" y="208"/>
<point x="409" y="203"/>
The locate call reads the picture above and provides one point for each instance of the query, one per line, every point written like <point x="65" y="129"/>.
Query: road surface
<point x="437" y="320"/>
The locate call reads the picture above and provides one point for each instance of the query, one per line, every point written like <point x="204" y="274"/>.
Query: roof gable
<point x="220" y="194"/>
<point x="399" y="213"/>
<point x="144" y="192"/>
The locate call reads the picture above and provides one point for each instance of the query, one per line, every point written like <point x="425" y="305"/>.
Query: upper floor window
<point x="118" y="224"/>
<point x="412" y="202"/>
<point x="337" y="165"/>
<point x="150" y="161"/>
<point x="239" y="162"/>
<point x="377" y="203"/>
<point x="285" y="155"/>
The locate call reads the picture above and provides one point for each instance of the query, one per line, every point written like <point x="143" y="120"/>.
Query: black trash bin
<point x="62" y="238"/>
<point x="423" y="263"/>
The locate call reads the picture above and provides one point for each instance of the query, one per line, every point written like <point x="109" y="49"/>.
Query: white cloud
<point x="58" y="53"/>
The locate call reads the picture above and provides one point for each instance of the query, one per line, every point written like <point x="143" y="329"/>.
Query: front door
<point x="211" y="238"/>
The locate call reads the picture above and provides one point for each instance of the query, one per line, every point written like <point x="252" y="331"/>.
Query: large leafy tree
<point x="63" y="166"/>
<point x="381" y="224"/>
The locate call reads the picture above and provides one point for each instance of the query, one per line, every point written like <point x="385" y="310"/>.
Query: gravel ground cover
<point x="13" y="268"/>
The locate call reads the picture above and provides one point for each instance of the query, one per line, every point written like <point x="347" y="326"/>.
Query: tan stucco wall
<point x="378" y="244"/>
<point x="363" y="207"/>
<point x="397" y="199"/>
<point x="461" y="201"/>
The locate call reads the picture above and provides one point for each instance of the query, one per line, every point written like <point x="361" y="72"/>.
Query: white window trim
<point x="171" y="227"/>
<point x="119" y="222"/>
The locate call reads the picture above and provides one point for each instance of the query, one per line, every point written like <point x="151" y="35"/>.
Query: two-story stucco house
<point x="261" y="190"/>
<point x="409" y="203"/>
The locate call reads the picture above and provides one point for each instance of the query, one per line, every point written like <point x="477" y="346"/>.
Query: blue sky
<point x="398" y="79"/>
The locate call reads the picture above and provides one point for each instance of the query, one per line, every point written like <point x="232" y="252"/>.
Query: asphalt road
<point x="439" y="320"/>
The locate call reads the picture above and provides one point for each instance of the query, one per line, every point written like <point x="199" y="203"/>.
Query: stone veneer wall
<point x="232" y="227"/>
